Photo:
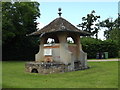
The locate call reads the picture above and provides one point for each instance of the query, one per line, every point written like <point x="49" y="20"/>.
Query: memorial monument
<point x="59" y="56"/>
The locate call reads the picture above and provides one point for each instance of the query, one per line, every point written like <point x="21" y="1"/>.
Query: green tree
<point x="115" y="35"/>
<point x="109" y="24"/>
<point x="88" y="22"/>
<point x="115" y="32"/>
<point x="112" y="28"/>
<point x="19" y="19"/>
<point x="117" y="22"/>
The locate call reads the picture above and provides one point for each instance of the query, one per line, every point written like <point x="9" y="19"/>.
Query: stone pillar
<point x="40" y="55"/>
<point x="65" y="54"/>
<point x="77" y="41"/>
<point x="83" y="57"/>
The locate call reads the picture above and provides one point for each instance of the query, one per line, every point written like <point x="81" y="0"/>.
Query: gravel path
<point x="99" y="60"/>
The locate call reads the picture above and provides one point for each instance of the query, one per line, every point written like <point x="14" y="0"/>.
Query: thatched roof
<point x="59" y="25"/>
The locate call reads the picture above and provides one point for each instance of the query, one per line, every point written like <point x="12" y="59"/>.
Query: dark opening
<point x="77" y="65"/>
<point x="34" y="71"/>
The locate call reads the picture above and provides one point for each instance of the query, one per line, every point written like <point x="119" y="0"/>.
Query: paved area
<point x="99" y="60"/>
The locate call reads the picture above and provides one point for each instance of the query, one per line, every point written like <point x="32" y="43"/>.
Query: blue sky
<point x="74" y="11"/>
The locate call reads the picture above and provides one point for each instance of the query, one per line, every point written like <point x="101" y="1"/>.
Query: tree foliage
<point x="109" y="24"/>
<point x="115" y="32"/>
<point x="89" y="23"/>
<point x="113" y="29"/>
<point x="115" y="35"/>
<point x="18" y="19"/>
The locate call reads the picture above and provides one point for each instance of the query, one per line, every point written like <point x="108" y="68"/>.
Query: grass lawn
<point x="0" y="74"/>
<point x="100" y="75"/>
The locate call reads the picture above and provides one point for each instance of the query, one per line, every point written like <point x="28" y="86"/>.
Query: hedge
<point x="93" y="46"/>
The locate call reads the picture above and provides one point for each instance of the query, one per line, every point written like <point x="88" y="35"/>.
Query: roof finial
<point x="59" y="9"/>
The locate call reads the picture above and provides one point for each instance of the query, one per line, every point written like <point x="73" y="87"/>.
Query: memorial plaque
<point x="47" y="52"/>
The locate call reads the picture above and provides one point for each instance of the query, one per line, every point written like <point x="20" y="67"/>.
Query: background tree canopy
<point x="112" y="34"/>
<point x="19" y="19"/>
<point x="90" y="23"/>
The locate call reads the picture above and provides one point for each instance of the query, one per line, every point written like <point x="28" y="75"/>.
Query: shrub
<point x="93" y="46"/>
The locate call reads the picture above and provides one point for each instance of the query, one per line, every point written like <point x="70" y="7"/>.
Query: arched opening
<point x="34" y="71"/>
<point x="72" y="46"/>
<point x="70" y="40"/>
<point x="50" y="41"/>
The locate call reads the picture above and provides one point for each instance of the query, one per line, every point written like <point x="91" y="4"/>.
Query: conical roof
<point x="59" y="25"/>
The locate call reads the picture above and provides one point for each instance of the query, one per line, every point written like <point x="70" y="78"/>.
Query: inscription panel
<point x="47" y="52"/>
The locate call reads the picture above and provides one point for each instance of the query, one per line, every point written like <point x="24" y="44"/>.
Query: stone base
<point x="47" y="68"/>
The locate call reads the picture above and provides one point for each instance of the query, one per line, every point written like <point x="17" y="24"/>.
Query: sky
<point x="74" y="11"/>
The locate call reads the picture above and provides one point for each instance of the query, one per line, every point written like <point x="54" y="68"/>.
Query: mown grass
<point x="100" y="75"/>
<point x="0" y="74"/>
